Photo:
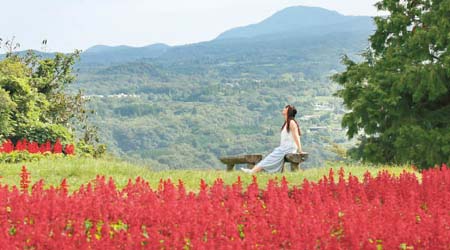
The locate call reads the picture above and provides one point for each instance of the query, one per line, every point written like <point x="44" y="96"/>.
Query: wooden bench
<point x="251" y="160"/>
<point x="295" y="160"/>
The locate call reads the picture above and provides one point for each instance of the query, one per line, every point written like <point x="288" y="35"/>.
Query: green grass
<point x="80" y="171"/>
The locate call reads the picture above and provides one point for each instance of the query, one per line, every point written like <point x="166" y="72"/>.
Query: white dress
<point x="274" y="161"/>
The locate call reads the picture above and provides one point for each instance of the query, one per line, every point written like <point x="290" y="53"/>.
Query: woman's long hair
<point x="291" y="112"/>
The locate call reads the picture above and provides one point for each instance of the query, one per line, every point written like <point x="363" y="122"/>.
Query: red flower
<point x="383" y="211"/>
<point x="22" y="145"/>
<point x="57" y="148"/>
<point x="45" y="147"/>
<point x="70" y="149"/>
<point x="33" y="148"/>
<point x="7" y="146"/>
<point x="24" y="179"/>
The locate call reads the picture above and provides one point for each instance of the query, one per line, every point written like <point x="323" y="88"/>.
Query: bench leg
<point x="230" y="167"/>
<point x="282" y="167"/>
<point x="294" y="167"/>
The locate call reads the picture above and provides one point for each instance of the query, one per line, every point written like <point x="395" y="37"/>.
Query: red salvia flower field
<point x="35" y="148"/>
<point x="338" y="212"/>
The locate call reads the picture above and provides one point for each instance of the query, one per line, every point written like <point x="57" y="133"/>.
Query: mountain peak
<point x="304" y="10"/>
<point x="290" y="19"/>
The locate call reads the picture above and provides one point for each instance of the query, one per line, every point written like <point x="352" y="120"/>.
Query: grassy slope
<point x="82" y="170"/>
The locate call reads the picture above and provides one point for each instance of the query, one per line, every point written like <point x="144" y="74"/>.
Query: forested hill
<point x="101" y="54"/>
<point x="184" y="106"/>
<point x="291" y="34"/>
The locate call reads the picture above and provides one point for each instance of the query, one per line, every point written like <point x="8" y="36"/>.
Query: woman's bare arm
<point x="294" y="130"/>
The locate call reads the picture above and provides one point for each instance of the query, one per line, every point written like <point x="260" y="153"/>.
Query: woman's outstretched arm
<point x="294" y="130"/>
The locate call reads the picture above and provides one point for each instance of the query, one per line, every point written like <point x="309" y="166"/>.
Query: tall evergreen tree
<point x="399" y="94"/>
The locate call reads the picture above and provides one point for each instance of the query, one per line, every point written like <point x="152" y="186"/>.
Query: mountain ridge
<point x="290" y="19"/>
<point x="103" y="48"/>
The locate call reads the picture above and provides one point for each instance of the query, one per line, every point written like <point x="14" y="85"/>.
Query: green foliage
<point x="399" y="95"/>
<point x="7" y="107"/>
<point x="90" y="150"/>
<point x="35" y="104"/>
<point x="29" y="90"/>
<point x="20" y="156"/>
<point x="41" y="132"/>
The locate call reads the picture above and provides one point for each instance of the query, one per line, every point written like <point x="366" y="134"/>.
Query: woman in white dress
<point x="289" y="143"/>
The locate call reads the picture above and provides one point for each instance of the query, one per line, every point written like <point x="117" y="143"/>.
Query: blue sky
<point x="80" y="24"/>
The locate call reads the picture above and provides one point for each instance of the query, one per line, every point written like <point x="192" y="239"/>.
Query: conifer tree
<point x="399" y="94"/>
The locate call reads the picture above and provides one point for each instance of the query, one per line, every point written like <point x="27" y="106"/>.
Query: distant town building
<point x="323" y="107"/>
<point x="309" y="117"/>
<point x="317" y="128"/>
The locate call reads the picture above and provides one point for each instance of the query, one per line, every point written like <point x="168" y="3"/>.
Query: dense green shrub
<point x="35" y="104"/>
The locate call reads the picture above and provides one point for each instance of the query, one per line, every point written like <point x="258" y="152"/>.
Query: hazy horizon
<point x="80" y="24"/>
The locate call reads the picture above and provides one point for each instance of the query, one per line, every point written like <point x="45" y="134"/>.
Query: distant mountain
<point x="306" y="39"/>
<point x="114" y="54"/>
<point x="301" y="19"/>
<point x="291" y="34"/>
<point x="154" y="48"/>
<point x="36" y="52"/>
<point x="102" y="54"/>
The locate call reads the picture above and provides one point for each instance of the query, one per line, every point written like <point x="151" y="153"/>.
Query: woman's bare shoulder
<point x="293" y="123"/>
